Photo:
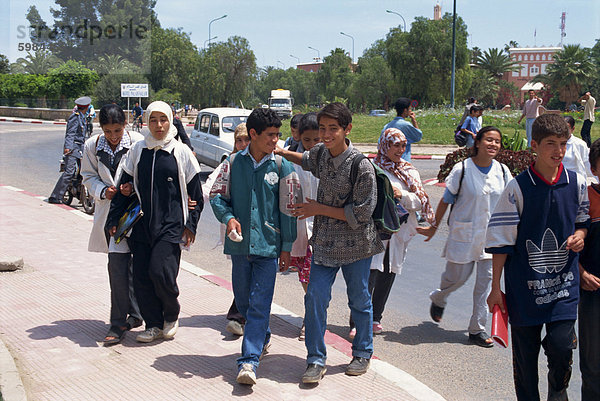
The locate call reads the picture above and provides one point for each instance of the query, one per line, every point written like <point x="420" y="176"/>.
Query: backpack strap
<point x="278" y="161"/>
<point x="462" y="176"/>
<point x="354" y="168"/>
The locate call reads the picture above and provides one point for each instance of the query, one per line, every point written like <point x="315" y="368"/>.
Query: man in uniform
<point x="73" y="148"/>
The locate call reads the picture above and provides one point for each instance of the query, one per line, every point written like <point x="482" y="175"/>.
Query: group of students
<point x="314" y="214"/>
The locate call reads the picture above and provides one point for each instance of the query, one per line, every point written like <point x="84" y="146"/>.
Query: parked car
<point x="378" y="113"/>
<point x="212" y="136"/>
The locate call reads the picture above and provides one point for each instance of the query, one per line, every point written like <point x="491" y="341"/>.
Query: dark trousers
<point x="65" y="179"/>
<point x="585" y="132"/>
<point x="589" y="344"/>
<point x="234" y="314"/>
<point x="122" y="295"/>
<point x="380" y="285"/>
<point x="559" y="343"/>
<point x="155" y="270"/>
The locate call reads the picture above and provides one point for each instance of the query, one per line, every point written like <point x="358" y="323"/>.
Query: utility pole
<point x="452" y="79"/>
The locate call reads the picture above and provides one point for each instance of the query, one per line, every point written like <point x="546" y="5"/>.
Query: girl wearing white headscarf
<point x="164" y="173"/>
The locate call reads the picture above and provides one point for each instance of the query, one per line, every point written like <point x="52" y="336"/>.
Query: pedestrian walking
<point x="101" y="168"/>
<point x="531" y="111"/>
<point x="410" y="129"/>
<point x="473" y="188"/>
<point x="589" y="116"/>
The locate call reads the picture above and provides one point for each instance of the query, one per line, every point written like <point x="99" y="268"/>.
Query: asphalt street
<point x="437" y="355"/>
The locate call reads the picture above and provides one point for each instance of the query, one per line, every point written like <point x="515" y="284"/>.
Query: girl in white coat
<point x="473" y="188"/>
<point x="103" y="156"/>
<point x="409" y="192"/>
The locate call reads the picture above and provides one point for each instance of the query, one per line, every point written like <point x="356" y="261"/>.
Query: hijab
<point x="160" y="107"/>
<point x="402" y="169"/>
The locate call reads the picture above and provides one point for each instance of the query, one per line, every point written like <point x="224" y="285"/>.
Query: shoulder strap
<point x="278" y="159"/>
<point x="462" y="175"/>
<point x="319" y="154"/>
<point x="231" y="157"/>
<point x="503" y="173"/>
<point x="354" y="168"/>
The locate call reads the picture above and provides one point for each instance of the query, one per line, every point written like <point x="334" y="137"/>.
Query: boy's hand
<point x="588" y="281"/>
<point x="233" y="224"/>
<point x="575" y="242"/>
<point x="284" y="261"/>
<point x="278" y="150"/>
<point x="126" y="189"/>
<point x="188" y="237"/>
<point x="397" y="193"/>
<point x="495" y="298"/>
<point x="110" y="192"/>
<point x="305" y="210"/>
<point x="429" y="232"/>
<point x="191" y="203"/>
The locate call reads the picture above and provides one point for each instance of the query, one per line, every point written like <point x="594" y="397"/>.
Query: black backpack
<point x="388" y="214"/>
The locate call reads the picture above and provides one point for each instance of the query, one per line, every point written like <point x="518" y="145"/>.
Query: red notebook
<point x="500" y="324"/>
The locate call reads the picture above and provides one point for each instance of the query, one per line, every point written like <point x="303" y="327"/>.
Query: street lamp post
<point x="209" y="24"/>
<point x="394" y="12"/>
<point x="297" y="58"/>
<point x="351" y="37"/>
<point x="214" y="37"/>
<point x="318" y="52"/>
<point x="453" y="74"/>
<point x="279" y="62"/>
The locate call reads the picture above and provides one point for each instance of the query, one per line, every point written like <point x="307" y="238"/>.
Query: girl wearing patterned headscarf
<point x="409" y="192"/>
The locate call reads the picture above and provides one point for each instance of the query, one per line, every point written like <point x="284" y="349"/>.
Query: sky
<point x="280" y="29"/>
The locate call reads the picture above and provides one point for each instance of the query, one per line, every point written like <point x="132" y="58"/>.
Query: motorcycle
<point x="77" y="190"/>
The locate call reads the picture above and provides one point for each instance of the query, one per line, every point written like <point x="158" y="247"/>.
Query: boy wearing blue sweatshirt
<point x="535" y="233"/>
<point x="252" y="196"/>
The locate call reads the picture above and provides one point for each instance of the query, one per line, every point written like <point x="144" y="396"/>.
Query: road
<point x="437" y="355"/>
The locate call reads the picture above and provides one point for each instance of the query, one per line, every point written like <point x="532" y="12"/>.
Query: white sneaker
<point x="169" y="329"/>
<point x="149" y="335"/>
<point x="235" y="327"/>
<point x="265" y="350"/>
<point x="246" y="374"/>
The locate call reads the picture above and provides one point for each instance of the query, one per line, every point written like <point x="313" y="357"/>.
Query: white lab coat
<point x="309" y="184"/>
<point x="399" y="241"/>
<point x="472" y="210"/>
<point x="96" y="176"/>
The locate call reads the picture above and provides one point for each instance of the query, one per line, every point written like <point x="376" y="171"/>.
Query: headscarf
<point x="161" y="107"/>
<point x="401" y="169"/>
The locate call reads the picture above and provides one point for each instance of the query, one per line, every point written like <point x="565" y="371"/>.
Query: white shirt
<point x="577" y="156"/>
<point x="309" y="184"/>
<point x="472" y="210"/>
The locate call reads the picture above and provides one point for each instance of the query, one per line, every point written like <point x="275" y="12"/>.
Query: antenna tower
<point x="563" y="18"/>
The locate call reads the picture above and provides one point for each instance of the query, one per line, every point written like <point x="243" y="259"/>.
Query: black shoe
<point x="314" y="373"/>
<point x="54" y="201"/>
<point x="358" y="366"/>
<point x="436" y="312"/>
<point x="481" y="339"/>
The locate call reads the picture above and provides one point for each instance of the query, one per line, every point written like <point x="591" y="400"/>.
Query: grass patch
<point x="438" y="125"/>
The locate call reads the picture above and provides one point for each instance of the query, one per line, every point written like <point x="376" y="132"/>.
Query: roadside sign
<point x="134" y="90"/>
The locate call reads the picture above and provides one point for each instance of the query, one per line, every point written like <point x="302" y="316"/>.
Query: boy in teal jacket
<point x="252" y="196"/>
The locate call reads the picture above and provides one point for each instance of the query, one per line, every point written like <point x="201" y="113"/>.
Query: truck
<point x="281" y="101"/>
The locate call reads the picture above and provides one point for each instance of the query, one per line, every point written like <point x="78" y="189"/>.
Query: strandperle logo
<point x="87" y="31"/>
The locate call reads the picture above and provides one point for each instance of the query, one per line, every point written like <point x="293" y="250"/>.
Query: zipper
<point x="152" y="187"/>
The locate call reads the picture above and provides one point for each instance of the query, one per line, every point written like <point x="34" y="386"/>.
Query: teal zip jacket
<point x="260" y="200"/>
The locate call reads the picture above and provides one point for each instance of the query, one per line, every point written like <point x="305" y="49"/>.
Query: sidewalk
<point x="55" y="311"/>
<point x="418" y="150"/>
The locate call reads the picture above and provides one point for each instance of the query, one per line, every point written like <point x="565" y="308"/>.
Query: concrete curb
<point x="11" y="386"/>
<point x="9" y="263"/>
<point x="399" y="377"/>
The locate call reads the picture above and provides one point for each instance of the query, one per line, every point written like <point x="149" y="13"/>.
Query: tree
<point x="71" y="80"/>
<point x="571" y="70"/>
<point x="512" y="43"/>
<point x="112" y="64"/>
<point x="495" y="62"/>
<point x="335" y="76"/>
<point x="4" y="64"/>
<point x="39" y="62"/>
<point x="421" y="60"/>
<point x="372" y="86"/>
<point x="595" y="55"/>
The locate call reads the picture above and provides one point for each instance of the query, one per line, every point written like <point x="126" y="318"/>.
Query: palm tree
<point x="39" y="62"/>
<point x="495" y="62"/>
<point x="572" y="68"/>
<point x="112" y="64"/>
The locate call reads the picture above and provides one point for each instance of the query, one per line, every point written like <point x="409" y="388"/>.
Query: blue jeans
<point x="528" y="124"/>
<point x="589" y="346"/>
<point x="316" y="302"/>
<point x="253" y="279"/>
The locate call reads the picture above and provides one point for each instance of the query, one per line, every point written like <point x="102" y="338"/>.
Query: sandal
<point x="436" y="312"/>
<point x="481" y="339"/>
<point x="132" y="323"/>
<point x="114" y="336"/>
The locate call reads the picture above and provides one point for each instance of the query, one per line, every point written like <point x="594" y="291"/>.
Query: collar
<point x="246" y="152"/>
<point x="337" y="161"/>
<point x="559" y="179"/>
